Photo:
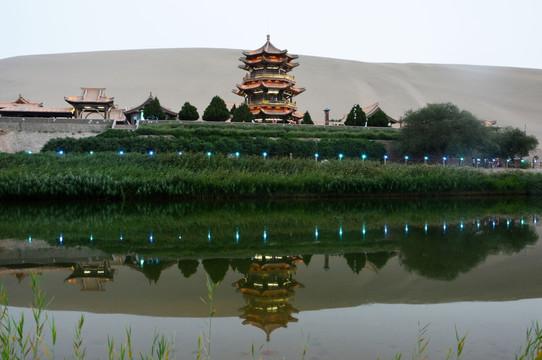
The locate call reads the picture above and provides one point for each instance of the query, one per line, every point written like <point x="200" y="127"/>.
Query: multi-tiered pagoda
<point x="267" y="88"/>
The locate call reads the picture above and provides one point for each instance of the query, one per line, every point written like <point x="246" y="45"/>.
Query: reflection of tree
<point x="188" y="267"/>
<point x="306" y="259"/>
<point x="436" y="257"/>
<point x="241" y="265"/>
<point x="356" y="261"/>
<point x="268" y="288"/>
<point x="151" y="267"/>
<point x="216" y="268"/>
<point x="379" y="259"/>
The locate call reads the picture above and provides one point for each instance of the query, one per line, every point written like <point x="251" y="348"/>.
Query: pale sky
<point x="476" y="32"/>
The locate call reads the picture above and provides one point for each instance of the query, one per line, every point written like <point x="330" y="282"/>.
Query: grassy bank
<point x="196" y="175"/>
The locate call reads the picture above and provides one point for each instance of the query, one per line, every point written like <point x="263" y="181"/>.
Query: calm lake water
<point x="349" y="279"/>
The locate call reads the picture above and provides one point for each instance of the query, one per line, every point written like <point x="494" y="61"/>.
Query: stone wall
<point x="55" y="125"/>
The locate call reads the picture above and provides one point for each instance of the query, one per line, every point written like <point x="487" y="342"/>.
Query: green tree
<point x="153" y="110"/>
<point x="216" y="111"/>
<point x="188" y="112"/>
<point x="307" y="118"/>
<point x="232" y="110"/>
<point x="356" y="116"/>
<point x="243" y="114"/>
<point x="443" y="129"/>
<point x="514" y="143"/>
<point x="378" y="119"/>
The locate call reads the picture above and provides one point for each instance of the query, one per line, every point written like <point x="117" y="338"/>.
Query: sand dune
<point x="510" y="96"/>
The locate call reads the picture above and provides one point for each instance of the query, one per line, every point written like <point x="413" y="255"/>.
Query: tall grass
<point x="196" y="175"/>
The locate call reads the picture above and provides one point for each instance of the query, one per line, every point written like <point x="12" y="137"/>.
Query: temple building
<point x="268" y="289"/>
<point x="90" y="103"/>
<point x="136" y="113"/>
<point x="22" y="107"/>
<point x="267" y="88"/>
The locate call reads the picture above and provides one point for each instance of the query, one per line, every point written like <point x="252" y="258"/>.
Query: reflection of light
<point x="237" y="236"/>
<point x="493" y="223"/>
<point x="209" y="235"/>
<point x="363" y="230"/>
<point x="29" y="238"/>
<point x="316" y="233"/>
<point x="507" y="222"/>
<point x="461" y="226"/>
<point x="425" y="228"/>
<point x="180" y="237"/>
<point x="535" y="220"/>
<point x="151" y="238"/>
<point x="141" y="262"/>
<point x="444" y="227"/>
<point x="121" y="237"/>
<point x="341" y="232"/>
<point x="264" y="235"/>
<point x="61" y="238"/>
<point x="478" y="224"/>
<point x="522" y="222"/>
<point x="406" y="228"/>
<point x="91" y="237"/>
<point x="386" y="229"/>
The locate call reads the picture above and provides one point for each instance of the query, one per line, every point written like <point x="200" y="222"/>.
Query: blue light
<point x="151" y="153"/>
<point x="141" y="262"/>
<point x="363" y="157"/>
<point x="341" y="232"/>
<point x="406" y="228"/>
<point x="264" y="235"/>
<point x="151" y="238"/>
<point x="494" y="223"/>
<point x="264" y="154"/>
<point x="121" y="152"/>
<point x="209" y="154"/>
<point x="316" y="233"/>
<point x="444" y="158"/>
<point x="386" y="229"/>
<point x="363" y="230"/>
<point x="237" y="236"/>
<point x="444" y="226"/>
<point x="385" y="157"/>
<point x="478" y="224"/>
<point x="535" y="220"/>
<point x="29" y="238"/>
<point x="316" y="155"/>
<point x="61" y="239"/>
<point x="29" y="152"/>
<point x="180" y="153"/>
<point x="406" y="157"/>
<point x="522" y="222"/>
<point x="237" y="154"/>
<point x="180" y="237"/>
<point x="121" y="237"/>
<point x="91" y="152"/>
<point x="91" y="238"/>
<point x="461" y="158"/>
<point x="461" y="225"/>
<point x="507" y="222"/>
<point x="60" y="152"/>
<point x="425" y="228"/>
<point x="341" y="156"/>
<point x="209" y="235"/>
<point x="426" y="158"/>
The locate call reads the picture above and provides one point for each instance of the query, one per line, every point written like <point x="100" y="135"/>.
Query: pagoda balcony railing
<point x="268" y="76"/>
<point x="271" y="102"/>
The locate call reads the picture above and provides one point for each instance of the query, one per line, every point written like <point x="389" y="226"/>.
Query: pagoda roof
<point x="21" y="101"/>
<point x="92" y="96"/>
<point x="136" y="109"/>
<point x="266" y="84"/>
<point x="267" y="48"/>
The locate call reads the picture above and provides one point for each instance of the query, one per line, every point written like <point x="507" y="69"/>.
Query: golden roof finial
<point x="268" y="37"/>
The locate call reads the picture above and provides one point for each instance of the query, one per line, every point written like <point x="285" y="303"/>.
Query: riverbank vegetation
<point x="206" y="175"/>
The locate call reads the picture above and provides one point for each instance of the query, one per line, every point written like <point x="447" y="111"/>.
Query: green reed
<point x="196" y="175"/>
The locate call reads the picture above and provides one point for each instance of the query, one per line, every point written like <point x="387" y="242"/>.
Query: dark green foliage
<point x="514" y="143"/>
<point x="216" y="268"/>
<point x="232" y="110"/>
<point x="356" y="117"/>
<point x="243" y="114"/>
<point x="216" y="111"/>
<point x="188" y="267"/>
<point x="307" y="120"/>
<point x="443" y="129"/>
<point x="378" y="119"/>
<point x="153" y="110"/>
<point x="188" y="112"/>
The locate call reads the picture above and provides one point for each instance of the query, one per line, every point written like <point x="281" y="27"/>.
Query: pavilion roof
<point x="90" y="95"/>
<point x="267" y="48"/>
<point x="21" y="100"/>
<point x="151" y="97"/>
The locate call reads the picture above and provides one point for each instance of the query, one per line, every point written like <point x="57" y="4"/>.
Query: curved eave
<point x="297" y="91"/>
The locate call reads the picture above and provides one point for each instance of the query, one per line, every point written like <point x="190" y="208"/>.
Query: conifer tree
<point x="188" y="112"/>
<point x="243" y="114"/>
<point x="356" y="117"/>
<point x="153" y="110"/>
<point x="307" y="118"/>
<point x="216" y="111"/>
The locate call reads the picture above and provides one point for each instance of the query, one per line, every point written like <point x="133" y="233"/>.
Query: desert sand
<point x="510" y="96"/>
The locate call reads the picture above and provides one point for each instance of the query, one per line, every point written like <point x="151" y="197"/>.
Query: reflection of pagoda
<point x="151" y="267"/>
<point x="267" y="89"/>
<point x="91" y="276"/>
<point x="268" y="288"/>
